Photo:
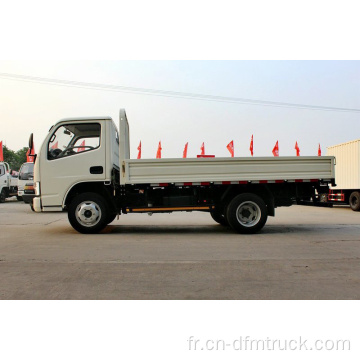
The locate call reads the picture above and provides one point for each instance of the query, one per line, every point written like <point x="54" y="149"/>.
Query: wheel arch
<point x="95" y="187"/>
<point x="261" y="190"/>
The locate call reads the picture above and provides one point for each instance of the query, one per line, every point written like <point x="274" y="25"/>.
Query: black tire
<point x="19" y="198"/>
<point x="111" y="217"/>
<point x="354" y="201"/>
<point x="247" y="213"/>
<point x="323" y="198"/>
<point x="219" y="217"/>
<point x="88" y="213"/>
<point x="2" y="196"/>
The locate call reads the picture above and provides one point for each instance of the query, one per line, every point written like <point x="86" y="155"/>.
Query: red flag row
<point x="276" y="149"/>
<point x="230" y="148"/>
<point x="30" y="153"/>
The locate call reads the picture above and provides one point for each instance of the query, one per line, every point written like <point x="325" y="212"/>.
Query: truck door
<point x="75" y="153"/>
<point x="3" y="177"/>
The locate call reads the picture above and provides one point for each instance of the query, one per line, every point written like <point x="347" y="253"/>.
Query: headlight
<point x="37" y="188"/>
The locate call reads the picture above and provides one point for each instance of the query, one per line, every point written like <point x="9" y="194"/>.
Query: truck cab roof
<point x="82" y="119"/>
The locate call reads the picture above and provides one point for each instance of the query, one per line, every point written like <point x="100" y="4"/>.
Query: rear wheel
<point x="19" y="198"/>
<point x="354" y="201"/>
<point x="88" y="213"/>
<point x="219" y="217"/>
<point x="247" y="213"/>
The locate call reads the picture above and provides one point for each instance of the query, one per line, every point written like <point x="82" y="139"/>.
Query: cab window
<point x="73" y="139"/>
<point x="2" y="170"/>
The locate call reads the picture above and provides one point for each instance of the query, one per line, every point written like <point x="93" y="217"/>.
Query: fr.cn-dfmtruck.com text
<point x="247" y="343"/>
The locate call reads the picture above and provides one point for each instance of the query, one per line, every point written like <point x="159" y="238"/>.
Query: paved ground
<point x="302" y="253"/>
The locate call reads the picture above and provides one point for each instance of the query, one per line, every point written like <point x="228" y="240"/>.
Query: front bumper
<point x="27" y="198"/>
<point x="36" y="204"/>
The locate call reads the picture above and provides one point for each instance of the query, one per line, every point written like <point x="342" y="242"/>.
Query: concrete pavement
<point x="302" y="253"/>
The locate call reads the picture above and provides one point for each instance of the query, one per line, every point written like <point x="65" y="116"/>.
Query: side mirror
<point x="31" y="141"/>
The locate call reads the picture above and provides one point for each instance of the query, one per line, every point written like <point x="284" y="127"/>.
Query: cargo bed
<point x="261" y="169"/>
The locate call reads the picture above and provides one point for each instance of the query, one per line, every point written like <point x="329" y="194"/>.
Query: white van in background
<point x="26" y="175"/>
<point x="8" y="183"/>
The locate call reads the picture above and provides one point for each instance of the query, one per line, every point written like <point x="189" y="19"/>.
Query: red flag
<point x="55" y="146"/>
<point x="139" y="148"/>
<point x="28" y="157"/>
<point x="252" y="145"/>
<point x="158" y="154"/>
<point x="230" y="147"/>
<point x="276" y="149"/>
<point x="202" y="149"/>
<point x="1" y="152"/>
<point x="319" y="151"/>
<point x="30" y="154"/>
<point x="81" y="148"/>
<point x="297" y="149"/>
<point x="185" y="151"/>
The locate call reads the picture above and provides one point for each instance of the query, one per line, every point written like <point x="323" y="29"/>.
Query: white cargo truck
<point x="347" y="169"/>
<point x="97" y="182"/>
<point x="8" y="183"/>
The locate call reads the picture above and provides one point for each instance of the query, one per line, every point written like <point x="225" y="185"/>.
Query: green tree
<point x="14" y="159"/>
<point x="21" y="156"/>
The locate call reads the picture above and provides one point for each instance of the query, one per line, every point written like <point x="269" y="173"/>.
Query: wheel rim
<point x="248" y="214"/>
<point x="88" y="213"/>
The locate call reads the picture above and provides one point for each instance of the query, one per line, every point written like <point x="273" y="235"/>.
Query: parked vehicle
<point x="29" y="193"/>
<point x="97" y="182"/>
<point x="26" y="173"/>
<point x="347" y="169"/>
<point x="8" y="183"/>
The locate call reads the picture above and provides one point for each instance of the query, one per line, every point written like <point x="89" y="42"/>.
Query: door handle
<point x="96" y="170"/>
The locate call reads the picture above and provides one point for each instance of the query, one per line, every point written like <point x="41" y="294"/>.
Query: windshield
<point x="26" y="171"/>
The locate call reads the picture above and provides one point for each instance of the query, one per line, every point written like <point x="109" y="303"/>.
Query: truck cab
<point x="76" y="156"/>
<point x="3" y="181"/>
<point x="8" y="184"/>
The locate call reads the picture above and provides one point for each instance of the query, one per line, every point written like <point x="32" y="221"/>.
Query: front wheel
<point x="111" y="217"/>
<point x="2" y="196"/>
<point x="247" y="213"/>
<point x="88" y="213"/>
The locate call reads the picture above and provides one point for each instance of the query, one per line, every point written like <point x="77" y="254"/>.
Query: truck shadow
<point x="202" y="229"/>
<point x="162" y="229"/>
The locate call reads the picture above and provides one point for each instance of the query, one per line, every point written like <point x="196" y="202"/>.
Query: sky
<point x="27" y="107"/>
